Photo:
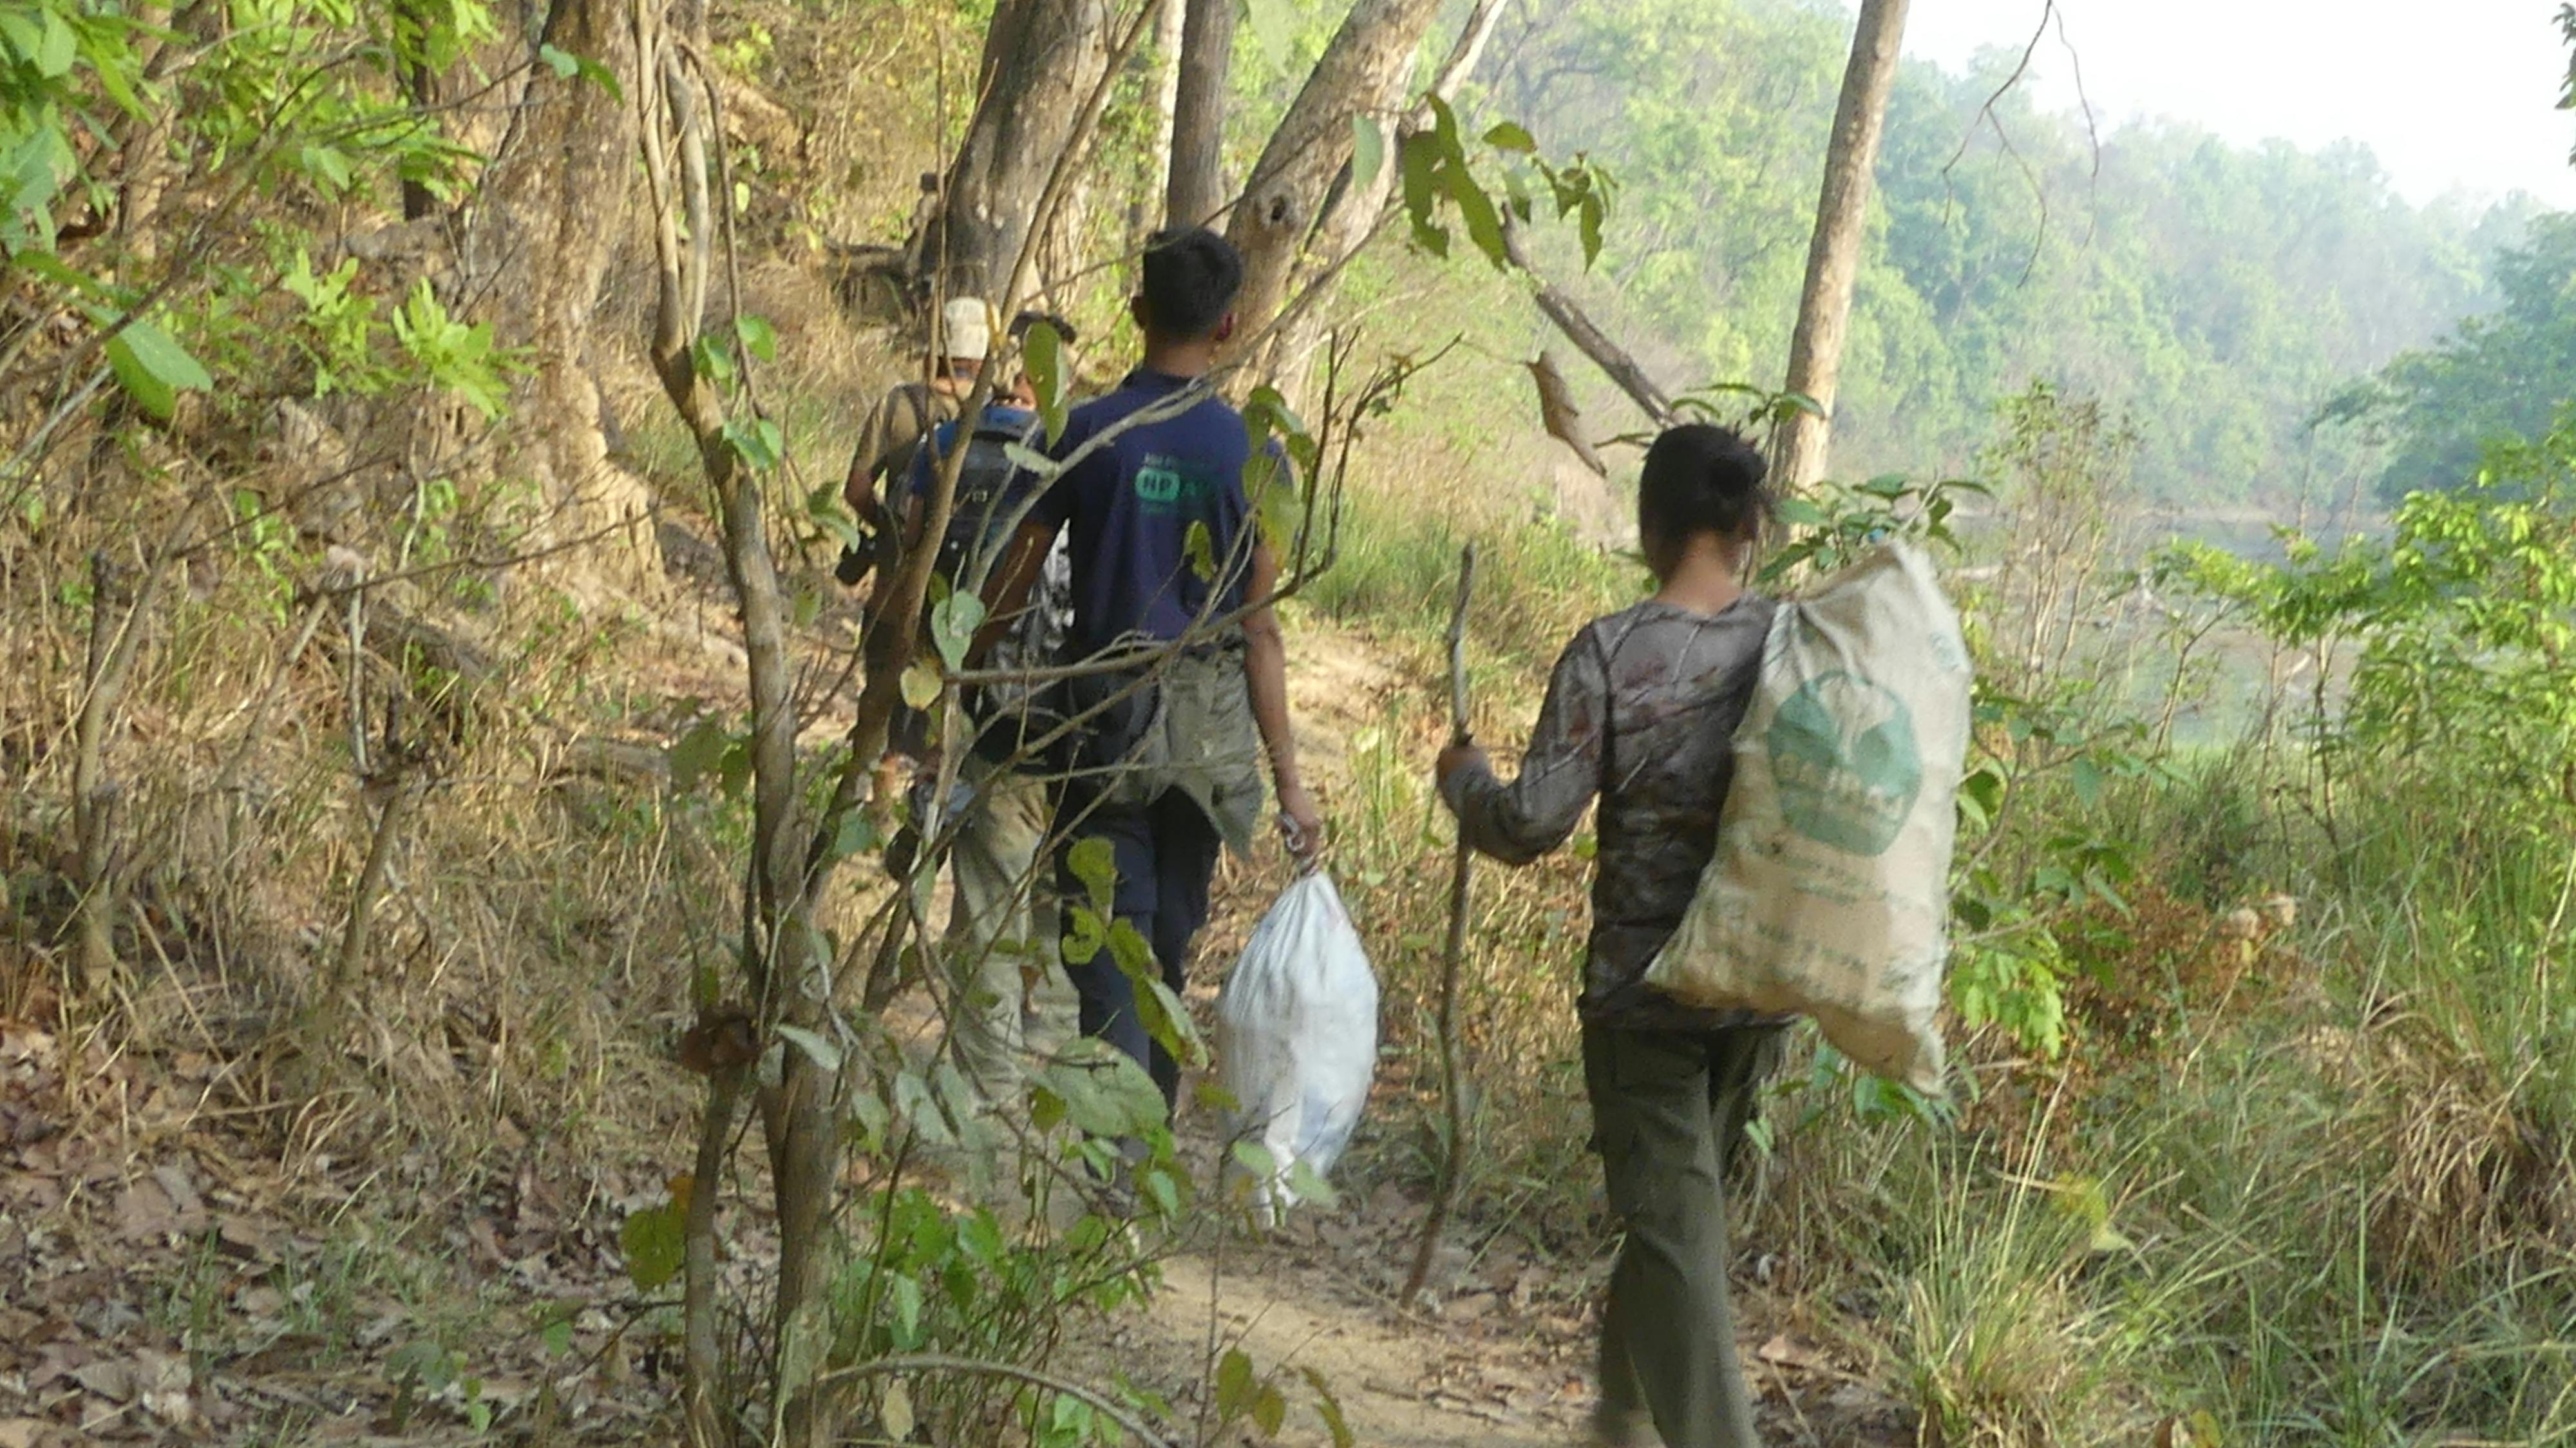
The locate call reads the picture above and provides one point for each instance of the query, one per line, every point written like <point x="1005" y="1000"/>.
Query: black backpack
<point x="990" y="489"/>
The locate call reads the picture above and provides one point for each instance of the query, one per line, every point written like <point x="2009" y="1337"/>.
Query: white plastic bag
<point x="1296" y="1031"/>
<point x="1829" y="895"/>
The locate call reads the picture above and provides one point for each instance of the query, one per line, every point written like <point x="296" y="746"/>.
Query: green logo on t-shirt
<point x="1844" y="757"/>
<point x="1165" y="486"/>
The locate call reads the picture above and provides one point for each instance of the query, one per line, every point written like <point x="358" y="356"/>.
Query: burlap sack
<point x="1829" y="895"/>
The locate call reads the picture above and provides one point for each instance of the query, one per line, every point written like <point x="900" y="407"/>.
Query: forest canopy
<point x="2223" y="291"/>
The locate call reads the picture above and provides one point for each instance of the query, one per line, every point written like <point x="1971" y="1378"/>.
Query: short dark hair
<point x="1064" y="331"/>
<point x="1701" y="478"/>
<point x="1191" y="278"/>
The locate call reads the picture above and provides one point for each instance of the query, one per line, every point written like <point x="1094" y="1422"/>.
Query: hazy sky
<point x="2451" y="94"/>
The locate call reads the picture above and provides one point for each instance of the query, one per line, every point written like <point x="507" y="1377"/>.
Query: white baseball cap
<point x="966" y="326"/>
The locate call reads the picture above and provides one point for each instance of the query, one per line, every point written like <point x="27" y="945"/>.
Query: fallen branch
<point x="1590" y="340"/>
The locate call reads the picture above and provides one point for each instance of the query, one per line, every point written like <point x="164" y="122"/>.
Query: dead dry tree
<point x="115" y="611"/>
<point x="120" y="601"/>
<point x="392" y="779"/>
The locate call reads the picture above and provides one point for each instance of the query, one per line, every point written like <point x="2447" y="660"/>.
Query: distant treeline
<point x="2218" y="295"/>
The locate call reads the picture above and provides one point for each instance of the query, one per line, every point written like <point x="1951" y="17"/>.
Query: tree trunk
<point x="800" y="1115"/>
<point x="534" y="253"/>
<point x="1042" y="59"/>
<point x="1163" y="98"/>
<point x="420" y="84"/>
<point x="1352" y="214"/>
<point x="1362" y="71"/>
<point x="1195" y="191"/>
<point x="1833" y="256"/>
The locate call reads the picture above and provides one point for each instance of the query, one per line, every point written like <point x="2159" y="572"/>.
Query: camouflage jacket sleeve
<point x="1560" y="772"/>
<point x="894" y="424"/>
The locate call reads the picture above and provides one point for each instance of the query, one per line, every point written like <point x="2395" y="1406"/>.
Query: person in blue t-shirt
<point x="1166" y="550"/>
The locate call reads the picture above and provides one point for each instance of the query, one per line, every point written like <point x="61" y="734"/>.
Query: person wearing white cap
<point x="961" y="337"/>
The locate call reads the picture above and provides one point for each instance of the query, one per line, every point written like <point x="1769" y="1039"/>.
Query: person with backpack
<point x="894" y="428"/>
<point x="1001" y="936"/>
<point x="1185" y="693"/>
<point x="1642" y="712"/>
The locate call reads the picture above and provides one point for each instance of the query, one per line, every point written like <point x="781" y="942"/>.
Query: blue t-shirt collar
<point x="1147" y="379"/>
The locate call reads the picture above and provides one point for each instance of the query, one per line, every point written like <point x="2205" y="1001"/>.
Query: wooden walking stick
<point x="1453" y="1161"/>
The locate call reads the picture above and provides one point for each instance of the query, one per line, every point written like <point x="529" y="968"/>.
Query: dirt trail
<point x="1399" y="1384"/>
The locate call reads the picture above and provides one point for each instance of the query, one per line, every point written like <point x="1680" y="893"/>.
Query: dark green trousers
<point x="1668" y="1112"/>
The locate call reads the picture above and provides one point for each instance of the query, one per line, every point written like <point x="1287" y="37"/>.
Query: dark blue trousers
<point x="1166" y="853"/>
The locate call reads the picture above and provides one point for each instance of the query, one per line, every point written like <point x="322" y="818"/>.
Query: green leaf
<point x="758" y="337"/>
<point x="1046" y="1109"/>
<point x="2088" y="779"/>
<point x="919" y="1108"/>
<point x="53" y="269"/>
<point x="153" y="368"/>
<point x="328" y="165"/>
<point x="952" y="626"/>
<point x="870" y="1114"/>
<point x="1042" y="353"/>
<point x="906" y="1296"/>
<point x="758" y="442"/>
<point x="818" y="1050"/>
<point x="1254" y="1157"/>
<point x="1329" y="1408"/>
<point x="655" y="1241"/>
<point x="857" y="835"/>
<point x="921" y="684"/>
<point x="1234" y="1385"/>
<point x="1094" y="863"/>
<point x="1309" y="1186"/>
<point x="1082" y="943"/>
<point x="1166" y="1192"/>
<point x="1421" y="161"/>
<point x="557" y="1337"/>
<point x="712" y="362"/>
<point x="1101" y="1090"/>
<point x="1803" y="513"/>
<point x="21" y="33"/>
<point x="56" y="50"/>
<point x="1368" y="151"/>
<point x="1484" y="223"/>
<point x="699" y="751"/>
<point x="1511" y="136"/>
<point x="1032" y="462"/>
<point x="567" y="65"/>
<point x="1199" y="546"/>
<point x="1269" y="1411"/>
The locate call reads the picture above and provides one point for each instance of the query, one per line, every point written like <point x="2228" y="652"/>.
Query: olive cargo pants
<point x="1668" y="1112"/>
<point x="1001" y="944"/>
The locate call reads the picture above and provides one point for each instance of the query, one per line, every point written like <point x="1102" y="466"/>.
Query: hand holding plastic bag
<point x="1297" y="1035"/>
